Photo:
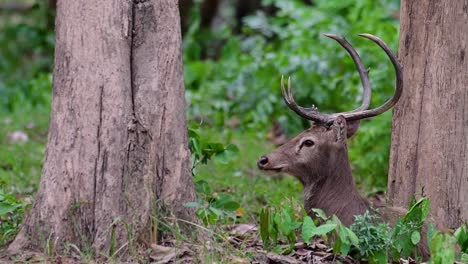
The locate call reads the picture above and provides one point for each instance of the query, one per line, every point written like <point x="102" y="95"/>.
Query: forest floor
<point x="242" y="245"/>
<point x="233" y="240"/>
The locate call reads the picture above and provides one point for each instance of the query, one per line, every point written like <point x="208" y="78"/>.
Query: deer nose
<point x="262" y="162"/>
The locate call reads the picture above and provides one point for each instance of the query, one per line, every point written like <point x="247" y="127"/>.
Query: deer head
<point x="318" y="157"/>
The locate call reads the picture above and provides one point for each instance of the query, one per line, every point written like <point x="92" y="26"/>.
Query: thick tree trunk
<point x="117" y="146"/>
<point x="429" y="153"/>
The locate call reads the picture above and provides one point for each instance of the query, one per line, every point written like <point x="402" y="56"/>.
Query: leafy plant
<point x="276" y="223"/>
<point x="11" y="216"/>
<point x="203" y="150"/>
<point x="309" y="229"/>
<point x="407" y="232"/>
<point x="213" y="208"/>
<point x="374" y="237"/>
<point x="279" y="223"/>
<point x="368" y="238"/>
<point x="461" y="234"/>
<point x="345" y="238"/>
<point x="442" y="248"/>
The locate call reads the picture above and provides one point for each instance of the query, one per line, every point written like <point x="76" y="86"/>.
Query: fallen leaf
<point x="163" y="254"/>
<point x="242" y="229"/>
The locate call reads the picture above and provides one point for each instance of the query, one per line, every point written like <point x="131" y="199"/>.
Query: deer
<point x="318" y="157"/>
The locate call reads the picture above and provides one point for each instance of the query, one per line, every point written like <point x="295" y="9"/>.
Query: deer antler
<point x="362" y="111"/>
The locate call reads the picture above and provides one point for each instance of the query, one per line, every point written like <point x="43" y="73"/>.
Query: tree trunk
<point x="117" y="143"/>
<point x="429" y="153"/>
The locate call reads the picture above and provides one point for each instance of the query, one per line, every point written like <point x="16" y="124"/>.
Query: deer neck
<point x="335" y="191"/>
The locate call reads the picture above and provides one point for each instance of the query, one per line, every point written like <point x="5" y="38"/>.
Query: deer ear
<point x="352" y="127"/>
<point x="344" y="129"/>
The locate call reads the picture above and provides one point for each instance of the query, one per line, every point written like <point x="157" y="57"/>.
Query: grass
<point x="249" y="186"/>
<point x="21" y="162"/>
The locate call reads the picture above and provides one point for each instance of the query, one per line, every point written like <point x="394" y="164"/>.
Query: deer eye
<point x="308" y="143"/>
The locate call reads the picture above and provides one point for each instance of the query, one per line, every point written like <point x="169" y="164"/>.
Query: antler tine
<point x="363" y="73"/>
<point x="307" y="113"/>
<point x="398" y="87"/>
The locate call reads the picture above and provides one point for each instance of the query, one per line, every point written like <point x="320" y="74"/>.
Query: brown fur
<point x="326" y="175"/>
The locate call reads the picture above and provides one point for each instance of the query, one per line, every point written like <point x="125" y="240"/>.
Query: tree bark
<point x="430" y="134"/>
<point x="117" y="145"/>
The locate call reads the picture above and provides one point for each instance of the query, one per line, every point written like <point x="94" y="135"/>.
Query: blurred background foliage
<point x="235" y="52"/>
<point x="233" y="65"/>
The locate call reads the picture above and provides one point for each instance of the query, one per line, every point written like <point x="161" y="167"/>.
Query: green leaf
<point x="344" y="248"/>
<point x="461" y="234"/>
<point x="227" y="154"/>
<point x="203" y="187"/>
<point x="192" y="133"/>
<point x="320" y="213"/>
<point x="264" y="226"/>
<point x="222" y="157"/>
<point x="418" y="212"/>
<point x="308" y="228"/>
<point x="233" y="149"/>
<point x="442" y="248"/>
<point x="342" y="244"/>
<point x="192" y="204"/>
<point x="415" y="237"/>
<point x="216" y="211"/>
<point x="379" y="257"/>
<point x="230" y="206"/>
<point x="324" y="229"/>
<point x="337" y="246"/>
<point x="214" y="147"/>
<point x="352" y="237"/>
<point x="8" y="208"/>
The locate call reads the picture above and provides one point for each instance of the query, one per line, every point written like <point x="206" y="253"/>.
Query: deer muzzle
<point x="264" y="164"/>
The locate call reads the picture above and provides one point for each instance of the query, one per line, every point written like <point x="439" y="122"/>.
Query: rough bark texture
<point x="429" y="138"/>
<point x="117" y="139"/>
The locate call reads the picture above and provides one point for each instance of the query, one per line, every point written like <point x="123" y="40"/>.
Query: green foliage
<point x="240" y="177"/>
<point x="442" y="245"/>
<point x="407" y="232"/>
<point x="442" y="248"/>
<point x="368" y="238"/>
<point x="461" y="234"/>
<point x="213" y="208"/>
<point x="282" y="223"/>
<point x="345" y="238"/>
<point x="241" y="82"/>
<point x="204" y="150"/>
<point x="309" y="229"/>
<point x="21" y="161"/>
<point x="11" y="216"/>
<point x="27" y="44"/>
<point x="374" y="237"/>
<point x="279" y="223"/>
